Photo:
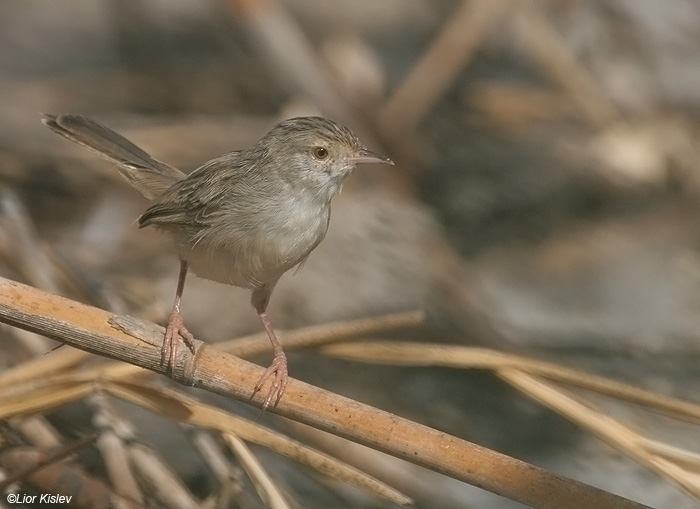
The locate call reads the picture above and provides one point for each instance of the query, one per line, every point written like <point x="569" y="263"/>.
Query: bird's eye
<point x="320" y="153"/>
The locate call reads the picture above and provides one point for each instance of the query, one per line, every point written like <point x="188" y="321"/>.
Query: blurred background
<point x="544" y="201"/>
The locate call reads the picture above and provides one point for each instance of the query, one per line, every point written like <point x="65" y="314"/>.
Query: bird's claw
<point x="278" y="372"/>
<point x="174" y="331"/>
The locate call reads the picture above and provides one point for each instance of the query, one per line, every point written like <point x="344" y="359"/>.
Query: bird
<point x="244" y="218"/>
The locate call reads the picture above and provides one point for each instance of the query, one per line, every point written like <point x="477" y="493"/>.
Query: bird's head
<point x="316" y="153"/>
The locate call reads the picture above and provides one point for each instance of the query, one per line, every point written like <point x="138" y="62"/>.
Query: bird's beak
<point x="364" y="156"/>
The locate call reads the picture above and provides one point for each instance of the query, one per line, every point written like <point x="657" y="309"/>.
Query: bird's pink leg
<point x="277" y="370"/>
<point x="176" y="327"/>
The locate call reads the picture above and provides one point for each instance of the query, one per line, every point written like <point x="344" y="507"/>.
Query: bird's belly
<point x="219" y="264"/>
<point x="250" y="259"/>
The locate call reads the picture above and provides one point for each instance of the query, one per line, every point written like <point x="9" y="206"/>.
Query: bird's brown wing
<point x="196" y="200"/>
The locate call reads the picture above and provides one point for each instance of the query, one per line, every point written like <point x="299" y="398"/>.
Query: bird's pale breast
<point x="257" y="249"/>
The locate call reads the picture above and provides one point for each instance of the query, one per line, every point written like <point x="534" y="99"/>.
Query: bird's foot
<point x="174" y="331"/>
<point x="278" y="373"/>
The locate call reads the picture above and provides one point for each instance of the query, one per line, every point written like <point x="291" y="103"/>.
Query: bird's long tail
<point x="147" y="175"/>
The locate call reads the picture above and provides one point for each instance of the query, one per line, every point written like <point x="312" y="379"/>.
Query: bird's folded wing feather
<point x="196" y="200"/>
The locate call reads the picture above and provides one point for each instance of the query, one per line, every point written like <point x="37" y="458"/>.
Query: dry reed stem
<point x="414" y="354"/>
<point x="459" y="39"/>
<point x="605" y="427"/>
<point x="116" y="460"/>
<point x="553" y="55"/>
<point x="263" y="483"/>
<point x="49" y="458"/>
<point x="89" y="328"/>
<point x="59" y="361"/>
<point x="289" y="54"/>
<point x="52" y="385"/>
<point x="116" y="433"/>
<point x="38" y="432"/>
<point x="291" y="57"/>
<point x="227" y="475"/>
<point x="188" y="410"/>
<point x="317" y="335"/>
<point x="36" y="397"/>
<point x="161" y="482"/>
<point x="534" y="377"/>
<point x="63" y="478"/>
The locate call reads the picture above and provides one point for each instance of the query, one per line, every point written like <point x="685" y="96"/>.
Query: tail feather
<point x="147" y="175"/>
